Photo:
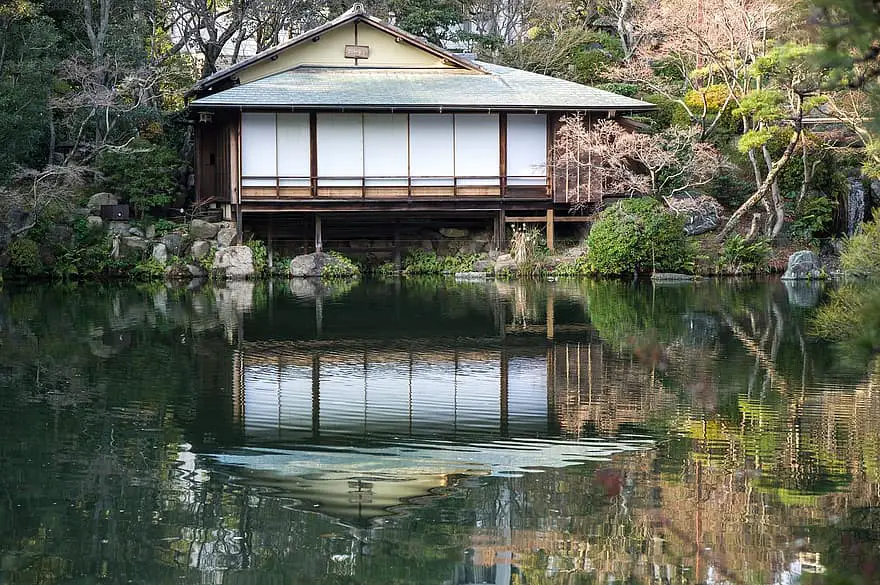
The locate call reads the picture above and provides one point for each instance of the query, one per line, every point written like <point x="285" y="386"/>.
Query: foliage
<point x="861" y="253"/>
<point x="638" y="235"/>
<point x="422" y="262"/>
<point x="852" y="313"/>
<point x="340" y="266"/>
<point x="812" y="218"/>
<point x="24" y="257"/>
<point x="142" y="174"/>
<point x="164" y="226"/>
<point x="148" y="270"/>
<point x="260" y="255"/>
<point x="739" y="256"/>
<point x="573" y="53"/>
<point x="580" y="266"/>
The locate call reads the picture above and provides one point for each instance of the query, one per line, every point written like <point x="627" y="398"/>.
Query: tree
<point x="608" y="158"/>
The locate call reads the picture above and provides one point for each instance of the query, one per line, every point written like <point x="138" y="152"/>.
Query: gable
<point x="385" y="50"/>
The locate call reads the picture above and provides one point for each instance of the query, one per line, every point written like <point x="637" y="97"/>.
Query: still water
<point x="434" y="432"/>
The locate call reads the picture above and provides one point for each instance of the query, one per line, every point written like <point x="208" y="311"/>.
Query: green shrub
<point x="852" y="313"/>
<point x="578" y="267"/>
<point x="340" y="266"/>
<point x="24" y="257"/>
<point x="385" y="270"/>
<point x="812" y="218"/>
<point x="143" y="175"/>
<point x="260" y="254"/>
<point x="741" y="257"/>
<point x="148" y="270"/>
<point x="422" y="262"/>
<point x="164" y="226"/>
<point x="861" y="253"/>
<point x="639" y="235"/>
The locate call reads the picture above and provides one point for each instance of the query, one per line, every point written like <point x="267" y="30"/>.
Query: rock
<point x="173" y="243"/>
<point x="150" y="232"/>
<point x="701" y="213"/>
<point x="505" y="264"/>
<point x="875" y="193"/>
<point x="200" y="249"/>
<point x="118" y="228"/>
<point x="483" y="265"/>
<point x="234" y="262"/>
<point x="94" y="222"/>
<point x="177" y="272"/>
<point x="312" y="266"/>
<point x="574" y="253"/>
<point x="196" y="271"/>
<point x="308" y="265"/>
<point x="17" y="219"/>
<point x="226" y="236"/>
<point x="99" y="199"/>
<point x="803" y="265"/>
<point x="134" y="243"/>
<point x="803" y="294"/>
<point x="469" y="276"/>
<point x="200" y="229"/>
<point x="672" y="276"/>
<point x="82" y="212"/>
<point x="454" y="232"/>
<point x="160" y="253"/>
<point x="136" y="231"/>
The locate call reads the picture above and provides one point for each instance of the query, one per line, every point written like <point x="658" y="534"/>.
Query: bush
<point x="812" y="218"/>
<point x="861" y="253"/>
<point x="578" y="267"/>
<point x="421" y="262"/>
<point x="260" y="254"/>
<point x="143" y="175"/>
<point x="340" y="267"/>
<point x="148" y="270"/>
<point x="741" y="257"/>
<point x="638" y="235"/>
<point x="24" y="257"/>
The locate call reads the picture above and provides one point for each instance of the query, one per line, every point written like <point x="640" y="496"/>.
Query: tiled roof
<point x="310" y="87"/>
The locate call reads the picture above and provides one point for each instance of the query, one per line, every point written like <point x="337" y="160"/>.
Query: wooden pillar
<point x="319" y="240"/>
<point x="502" y="154"/>
<point x="505" y="407"/>
<point x="500" y="230"/>
<point x="270" y="250"/>
<point x="313" y="153"/>
<point x="550" y="221"/>
<point x="316" y="395"/>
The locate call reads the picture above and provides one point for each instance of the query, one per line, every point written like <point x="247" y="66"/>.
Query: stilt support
<point x="550" y="221"/>
<point x="319" y="242"/>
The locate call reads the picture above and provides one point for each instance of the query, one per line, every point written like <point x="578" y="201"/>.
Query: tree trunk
<point x="764" y="188"/>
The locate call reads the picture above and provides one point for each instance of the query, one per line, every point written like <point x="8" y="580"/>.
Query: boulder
<point x="196" y="271"/>
<point x="60" y="234"/>
<point x="200" y="229"/>
<point x="483" y="265"/>
<point x="118" y="228"/>
<point x="94" y="222"/>
<point x="136" y="231"/>
<point x="702" y="213"/>
<point x="150" y="232"/>
<point x="160" y="253"/>
<point x="234" y="262"/>
<point x="312" y="266"/>
<point x="99" y="199"/>
<point x="177" y="272"/>
<point x="173" y="243"/>
<point x="226" y="236"/>
<point x="200" y="249"/>
<point x="454" y="232"/>
<point x="803" y="265"/>
<point x="505" y="263"/>
<point x="308" y="265"/>
<point x="133" y="243"/>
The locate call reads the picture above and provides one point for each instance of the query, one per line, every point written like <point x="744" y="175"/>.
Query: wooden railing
<point x="256" y="188"/>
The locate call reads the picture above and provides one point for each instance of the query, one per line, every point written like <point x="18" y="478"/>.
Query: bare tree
<point x="607" y="158"/>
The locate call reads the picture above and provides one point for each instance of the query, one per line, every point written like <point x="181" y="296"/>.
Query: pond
<point x="433" y="431"/>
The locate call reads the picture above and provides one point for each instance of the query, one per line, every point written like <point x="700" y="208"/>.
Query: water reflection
<point x="433" y="432"/>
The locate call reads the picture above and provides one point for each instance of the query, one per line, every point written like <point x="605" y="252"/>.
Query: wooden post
<point x="550" y="221"/>
<point x="319" y="242"/>
<point x="269" y="246"/>
<point x="502" y="154"/>
<point x="500" y="230"/>
<point x="313" y="153"/>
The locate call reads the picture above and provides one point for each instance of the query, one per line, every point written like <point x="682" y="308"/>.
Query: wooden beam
<point x="319" y="240"/>
<point x="557" y="219"/>
<point x="313" y="152"/>
<point x="502" y="155"/>
<point x="550" y="226"/>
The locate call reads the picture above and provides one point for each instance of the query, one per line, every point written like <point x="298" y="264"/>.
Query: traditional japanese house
<point x="359" y="121"/>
